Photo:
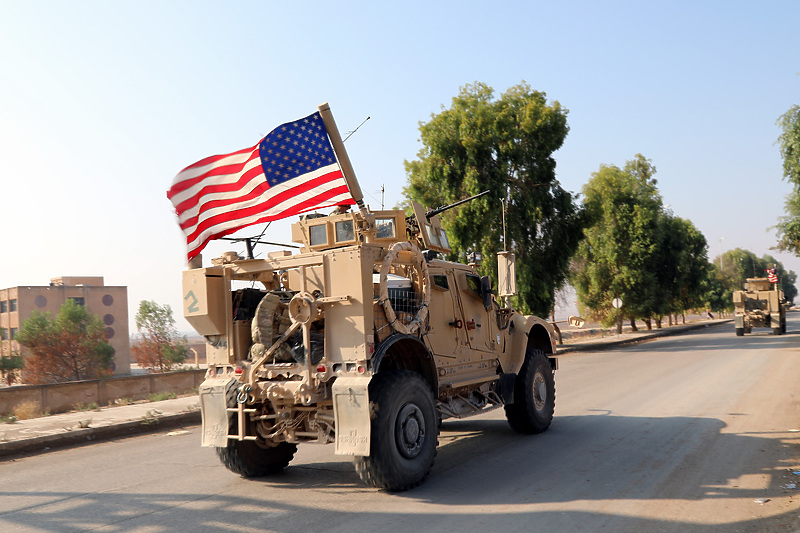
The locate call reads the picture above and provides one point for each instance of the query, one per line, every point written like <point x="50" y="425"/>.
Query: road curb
<point x="91" y="435"/>
<point x="650" y="335"/>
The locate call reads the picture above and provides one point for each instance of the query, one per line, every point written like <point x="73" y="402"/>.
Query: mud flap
<point x="213" y="408"/>
<point x="351" y="414"/>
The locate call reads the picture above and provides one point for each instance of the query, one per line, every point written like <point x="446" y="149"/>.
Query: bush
<point x="159" y="396"/>
<point x="27" y="410"/>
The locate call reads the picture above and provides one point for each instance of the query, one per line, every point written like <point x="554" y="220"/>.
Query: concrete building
<point x="108" y="303"/>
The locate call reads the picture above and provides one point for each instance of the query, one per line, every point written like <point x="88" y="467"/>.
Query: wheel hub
<point x="539" y="392"/>
<point x="410" y="431"/>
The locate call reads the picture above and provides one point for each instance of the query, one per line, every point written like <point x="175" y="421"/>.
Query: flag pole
<point x="341" y="155"/>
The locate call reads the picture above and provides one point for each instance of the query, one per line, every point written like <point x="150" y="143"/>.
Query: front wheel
<point x="404" y="432"/>
<point x="739" y="332"/>
<point x="534" y="395"/>
<point x="249" y="459"/>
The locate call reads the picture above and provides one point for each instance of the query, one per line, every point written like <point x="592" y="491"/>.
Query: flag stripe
<point x="220" y="165"/>
<point x="278" y="195"/>
<point x="253" y="215"/>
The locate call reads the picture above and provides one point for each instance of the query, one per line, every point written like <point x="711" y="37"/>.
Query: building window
<point x="3" y="334"/>
<point x="79" y="300"/>
<point x="12" y="305"/>
<point x="13" y="333"/>
<point x="3" y="306"/>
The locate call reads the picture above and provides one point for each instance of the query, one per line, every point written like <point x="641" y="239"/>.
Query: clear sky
<point x="102" y="103"/>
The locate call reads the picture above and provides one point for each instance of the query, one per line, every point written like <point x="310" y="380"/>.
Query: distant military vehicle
<point x="364" y="339"/>
<point x="760" y="305"/>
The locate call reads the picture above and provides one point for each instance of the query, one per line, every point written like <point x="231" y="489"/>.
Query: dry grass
<point x="27" y="410"/>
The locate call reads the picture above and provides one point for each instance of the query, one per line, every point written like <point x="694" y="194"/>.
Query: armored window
<point x="433" y="235"/>
<point x="386" y="229"/>
<point x="441" y="282"/>
<point x="12" y="305"/>
<point x="344" y="231"/>
<point x="443" y="239"/>
<point x="318" y="235"/>
<point x="474" y="284"/>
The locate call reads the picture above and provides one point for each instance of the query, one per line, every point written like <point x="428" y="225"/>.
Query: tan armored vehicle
<point x="759" y="305"/>
<point x="366" y="340"/>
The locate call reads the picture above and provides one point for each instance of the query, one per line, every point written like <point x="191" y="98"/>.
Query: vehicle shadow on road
<point x="585" y="473"/>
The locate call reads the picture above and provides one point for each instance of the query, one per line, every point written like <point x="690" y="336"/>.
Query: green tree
<point x="617" y="257"/>
<point x="681" y="266"/>
<point x="504" y="145"/>
<point x="788" y="226"/>
<point x="159" y="348"/>
<point x="10" y="366"/>
<point x="70" y="347"/>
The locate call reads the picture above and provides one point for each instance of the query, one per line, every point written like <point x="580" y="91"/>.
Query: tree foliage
<point x="159" y="348"/>
<point x="788" y="226"/>
<point x="635" y="250"/>
<point x="504" y="145"/>
<point x="70" y="347"/>
<point x="617" y="256"/>
<point x="681" y="266"/>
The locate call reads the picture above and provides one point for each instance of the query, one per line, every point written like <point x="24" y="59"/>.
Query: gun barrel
<point x="433" y="212"/>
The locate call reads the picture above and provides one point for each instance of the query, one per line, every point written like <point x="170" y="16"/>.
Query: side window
<point x="440" y="282"/>
<point x="474" y="285"/>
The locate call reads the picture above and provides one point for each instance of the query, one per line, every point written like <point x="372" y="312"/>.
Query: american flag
<point x="290" y="171"/>
<point x="772" y="276"/>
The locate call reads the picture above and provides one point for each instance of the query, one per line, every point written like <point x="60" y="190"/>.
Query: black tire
<point x="249" y="459"/>
<point x="783" y="325"/>
<point x="739" y="332"/>
<point x="404" y="432"/>
<point x="534" y="395"/>
<point x="252" y="458"/>
<point x="776" y="331"/>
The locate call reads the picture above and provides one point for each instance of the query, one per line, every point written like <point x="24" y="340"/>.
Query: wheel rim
<point x="410" y="431"/>
<point x="539" y="391"/>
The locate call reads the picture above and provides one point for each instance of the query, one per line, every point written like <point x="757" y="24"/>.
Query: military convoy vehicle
<point x="365" y="339"/>
<point x="760" y="305"/>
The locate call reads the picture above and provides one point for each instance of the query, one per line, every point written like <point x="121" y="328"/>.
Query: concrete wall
<point x="64" y="396"/>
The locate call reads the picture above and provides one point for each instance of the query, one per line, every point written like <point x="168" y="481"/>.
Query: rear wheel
<point x="249" y="459"/>
<point x="739" y="332"/>
<point x="404" y="432"/>
<point x="534" y="395"/>
<point x="776" y="331"/>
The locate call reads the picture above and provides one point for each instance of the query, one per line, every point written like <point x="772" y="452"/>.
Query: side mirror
<point x="486" y="291"/>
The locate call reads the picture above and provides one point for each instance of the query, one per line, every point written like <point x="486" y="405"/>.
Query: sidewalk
<point x="39" y="435"/>
<point x="42" y="434"/>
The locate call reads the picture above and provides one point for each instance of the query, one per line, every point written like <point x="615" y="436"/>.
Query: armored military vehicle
<point x="760" y="305"/>
<point x="366" y="339"/>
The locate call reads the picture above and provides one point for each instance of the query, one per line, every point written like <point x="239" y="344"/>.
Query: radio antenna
<point x="350" y="134"/>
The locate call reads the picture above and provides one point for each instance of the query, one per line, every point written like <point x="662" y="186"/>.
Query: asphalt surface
<point x="40" y="435"/>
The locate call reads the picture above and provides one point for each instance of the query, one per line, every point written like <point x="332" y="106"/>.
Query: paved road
<point x="686" y="433"/>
